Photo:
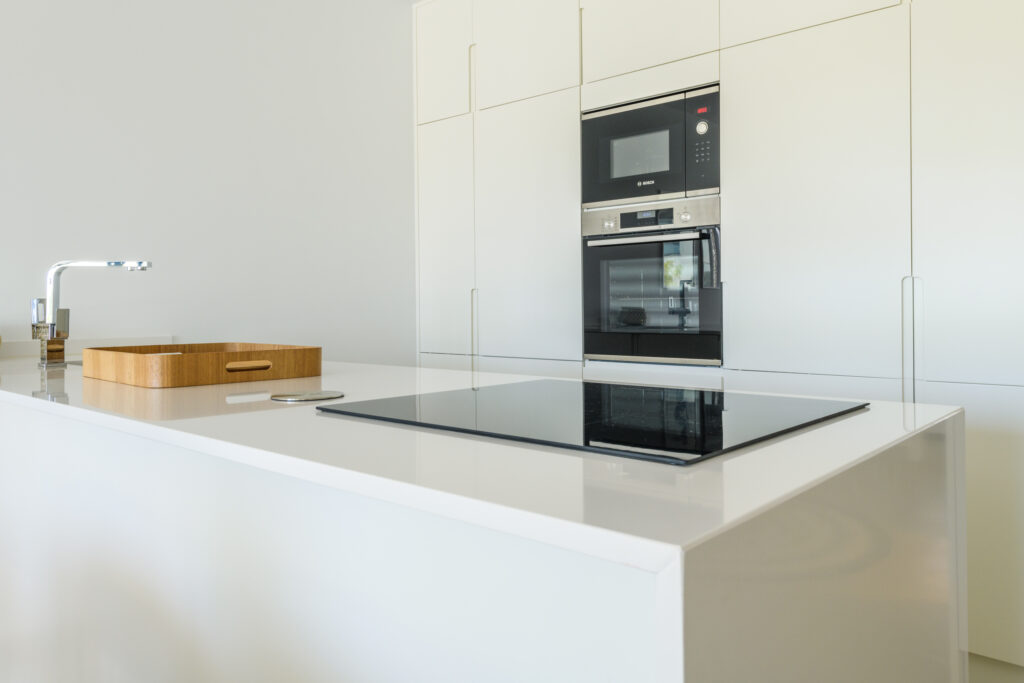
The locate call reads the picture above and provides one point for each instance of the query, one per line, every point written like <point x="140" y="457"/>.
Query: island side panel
<point x="857" y="579"/>
<point x="122" y="558"/>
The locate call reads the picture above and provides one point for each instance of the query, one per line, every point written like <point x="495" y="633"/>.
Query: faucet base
<point x="51" y="351"/>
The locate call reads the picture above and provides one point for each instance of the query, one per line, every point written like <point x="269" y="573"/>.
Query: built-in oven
<point x="652" y="288"/>
<point x="663" y="147"/>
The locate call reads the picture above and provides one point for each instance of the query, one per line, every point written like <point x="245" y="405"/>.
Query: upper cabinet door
<point x="445" y="212"/>
<point x="444" y="32"/>
<point x="619" y="37"/>
<point x="746" y="20"/>
<point x="528" y="228"/>
<point x="968" y="174"/>
<point x="524" y="48"/>
<point x="816" y="198"/>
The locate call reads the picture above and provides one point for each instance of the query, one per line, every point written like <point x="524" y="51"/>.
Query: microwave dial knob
<point x="702" y="127"/>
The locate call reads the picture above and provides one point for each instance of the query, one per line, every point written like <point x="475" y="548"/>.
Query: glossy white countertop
<point x="630" y="511"/>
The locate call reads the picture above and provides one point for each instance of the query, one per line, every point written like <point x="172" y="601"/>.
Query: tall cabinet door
<point x="746" y="20"/>
<point x="816" y="198"/>
<point x="619" y="37"/>
<point x="528" y="228"/>
<point x="445" y="198"/>
<point x="524" y="48"/>
<point x="444" y="32"/>
<point x="968" y="175"/>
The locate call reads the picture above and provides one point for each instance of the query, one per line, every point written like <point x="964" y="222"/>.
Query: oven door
<point x="653" y="297"/>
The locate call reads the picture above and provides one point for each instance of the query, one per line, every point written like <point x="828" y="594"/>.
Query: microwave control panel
<point x="702" y="142"/>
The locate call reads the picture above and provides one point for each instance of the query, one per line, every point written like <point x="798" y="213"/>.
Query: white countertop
<point x="629" y="511"/>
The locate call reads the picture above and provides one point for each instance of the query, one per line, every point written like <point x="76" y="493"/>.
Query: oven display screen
<point x="640" y="154"/>
<point x="642" y="219"/>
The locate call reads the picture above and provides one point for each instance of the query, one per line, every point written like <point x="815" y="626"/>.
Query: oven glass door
<point x="653" y="296"/>
<point x="634" y="153"/>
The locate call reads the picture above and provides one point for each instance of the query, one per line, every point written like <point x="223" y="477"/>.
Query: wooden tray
<point x="186" y="365"/>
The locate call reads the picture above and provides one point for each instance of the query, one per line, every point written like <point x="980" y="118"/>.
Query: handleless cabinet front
<point x="620" y="37"/>
<point x="747" y="20"/>
<point x="528" y="228"/>
<point x="816" y="198"/>
<point x="524" y="48"/>
<point x="444" y="32"/>
<point x="445" y="210"/>
<point x="968" y="175"/>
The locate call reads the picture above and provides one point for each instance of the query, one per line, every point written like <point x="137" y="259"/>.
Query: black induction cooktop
<point x="664" y="424"/>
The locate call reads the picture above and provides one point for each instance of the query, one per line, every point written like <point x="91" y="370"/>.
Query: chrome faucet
<point x="50" y="322"/>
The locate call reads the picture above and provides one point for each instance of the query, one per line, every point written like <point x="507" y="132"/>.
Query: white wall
<point x="260" y="154"/>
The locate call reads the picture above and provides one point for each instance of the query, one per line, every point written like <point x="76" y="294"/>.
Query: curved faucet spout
<point x="53" y="281"/>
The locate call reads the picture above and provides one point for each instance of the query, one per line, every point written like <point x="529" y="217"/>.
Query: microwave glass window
<point x="640" y="154"/>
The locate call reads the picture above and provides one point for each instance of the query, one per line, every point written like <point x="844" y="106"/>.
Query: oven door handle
<point x="674" y="237"/>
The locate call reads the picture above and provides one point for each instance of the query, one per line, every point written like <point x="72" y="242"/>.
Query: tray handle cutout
<point x="247" y="365"/>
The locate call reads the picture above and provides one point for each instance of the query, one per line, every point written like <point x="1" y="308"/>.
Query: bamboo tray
<point x="186" y="365"/>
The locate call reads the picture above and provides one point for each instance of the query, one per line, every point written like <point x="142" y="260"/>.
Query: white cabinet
<point x="746" y="20"/>
<point x="444" y="32"/>
<point x="968" y="203"/>
<point x="524" y="48"/>
<point x="528" y="228"/>
<point x="445" y="207"/>
<point x="619" y="37"/>
<point x="816" y="198"/>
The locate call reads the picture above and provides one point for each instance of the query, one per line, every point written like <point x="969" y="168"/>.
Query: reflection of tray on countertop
<point x="184" y="403"/>
<point x="185" y="365"/>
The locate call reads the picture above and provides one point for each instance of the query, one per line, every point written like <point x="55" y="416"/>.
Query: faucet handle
<point x="38" y="311"/>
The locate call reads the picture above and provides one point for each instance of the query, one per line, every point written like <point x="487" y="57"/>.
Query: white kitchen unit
<point x="685" y="74"/>
<point x="446" y="234"/>
<point x="995" y="513"/>
<point x="619" y="37"/>
<point x="968" y="202"/>
<point x="444" y="32"/>
<point x="206" y="533"/>
<point x="747" y="20"/>
<point x="816" y="198"/>
<point x="528" y="228"/>
<point x="524" y="48"/>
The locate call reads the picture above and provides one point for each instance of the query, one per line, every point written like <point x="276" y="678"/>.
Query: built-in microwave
<point x="664" y="146"/>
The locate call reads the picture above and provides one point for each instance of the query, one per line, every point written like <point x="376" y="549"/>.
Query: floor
<point x="985" y="670"/>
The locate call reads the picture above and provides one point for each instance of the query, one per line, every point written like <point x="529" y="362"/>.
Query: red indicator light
<point x="702" y="110"/>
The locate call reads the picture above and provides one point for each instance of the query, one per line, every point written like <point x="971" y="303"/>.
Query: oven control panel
<point x="702" y="142"/>
<point x="659" y="215"/>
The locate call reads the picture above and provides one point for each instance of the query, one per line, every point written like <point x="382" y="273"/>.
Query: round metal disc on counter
<point x="307" y="396"/>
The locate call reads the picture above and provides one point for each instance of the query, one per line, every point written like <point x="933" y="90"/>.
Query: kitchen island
<point x="209" y="534"/>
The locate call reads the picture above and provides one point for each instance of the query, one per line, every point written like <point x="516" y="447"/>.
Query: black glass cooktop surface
<point x="665" y="424"/>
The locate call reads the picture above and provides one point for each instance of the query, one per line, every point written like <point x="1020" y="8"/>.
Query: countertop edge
<point x="614" y="546"/>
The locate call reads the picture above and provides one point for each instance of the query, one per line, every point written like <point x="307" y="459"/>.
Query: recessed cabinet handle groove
<point x="472" y="321"/>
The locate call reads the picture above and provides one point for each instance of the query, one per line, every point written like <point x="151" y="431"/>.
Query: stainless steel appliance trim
<point x="636" y="105"/>
<point x="638" y="449"/>
<point x="692" y="213"/>
<point x="702" y="91"/>
<point x="654" y="359"/>
<point x="638" y="201"/>
<point x="674" y="237"/>
<point x="705" y="191"/>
